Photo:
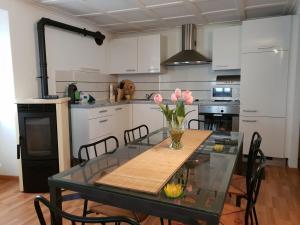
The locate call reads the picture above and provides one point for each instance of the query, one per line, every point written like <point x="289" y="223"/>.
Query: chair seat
<point x="238" y="177"/>
<point x="108" y="210"/>
<point x="232" y="215"/>
<point x="238" y="186"/>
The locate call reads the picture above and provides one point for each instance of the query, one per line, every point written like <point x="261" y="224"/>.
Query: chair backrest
<point x="92" y="149"/>
<point x="57" y="213"/>
<point x="135" y="133"/>
<point x="254" y="184"/>
<point x="200" y="124"/>
<point x="254" y="145"/>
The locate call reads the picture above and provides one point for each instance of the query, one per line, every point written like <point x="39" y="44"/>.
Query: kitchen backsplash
<point x="198" y="79"/>
<point x="88" y="81"/>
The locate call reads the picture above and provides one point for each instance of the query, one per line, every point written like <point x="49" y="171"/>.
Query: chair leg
<point x="238" y="201"/>
<point x="161" y="221"/>
<point x="251" y="218"/>
<point x="85" y="205"/>
<point x="169" y="222"/>
<point x="255" y="216"/>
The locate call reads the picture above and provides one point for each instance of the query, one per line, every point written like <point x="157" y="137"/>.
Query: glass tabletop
<point x="205" y="175"/>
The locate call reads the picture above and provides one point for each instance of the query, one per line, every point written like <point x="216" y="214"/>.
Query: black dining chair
<point x="240" y="184"/>
<point x="200" y="124"/>
<point x="233" y="215"/>
<point x="92" y="150"/>
<point x="135" y="133"/>
<point x="85" y="153"/>
<point x="89" y="151"/>
<point x="57" y="213"/>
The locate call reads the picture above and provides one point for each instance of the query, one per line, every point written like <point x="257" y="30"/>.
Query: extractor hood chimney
<point x="188" y="55"/>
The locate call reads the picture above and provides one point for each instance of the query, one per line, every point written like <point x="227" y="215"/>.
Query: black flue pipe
<point x="98" y="36"/>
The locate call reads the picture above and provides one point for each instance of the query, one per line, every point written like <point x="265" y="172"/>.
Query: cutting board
<point x="151" y="170"/>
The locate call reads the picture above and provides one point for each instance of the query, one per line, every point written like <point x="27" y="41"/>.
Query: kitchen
<point x="246" y="80"/>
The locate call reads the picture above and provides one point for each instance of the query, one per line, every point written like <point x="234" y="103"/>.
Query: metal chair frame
<point x="94" y="145"/>
<point x="57" y="213"/>
<point x="198" y="121"/>
<point x="131" y="132"/>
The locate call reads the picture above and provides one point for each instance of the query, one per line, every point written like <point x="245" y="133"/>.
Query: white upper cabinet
<point x="266" y="34"/>
<point x="124" y="55"/>
<point x="263" y="85"/>
<point x="135" y="55"/>
<point x="149" y="54"/>
<point x="226" y="48"/>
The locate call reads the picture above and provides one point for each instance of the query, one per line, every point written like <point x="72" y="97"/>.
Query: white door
<point x="272" y="131"/>
<point x="263" y="88"/>
<point x="123" y="55"/>
<point x="149" y="54"/>
<point x="148" y="114"/>
<point x="226" y="48"/>
<point x="266" y="34"/>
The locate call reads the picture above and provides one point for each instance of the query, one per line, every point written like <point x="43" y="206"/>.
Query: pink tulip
<point x="178" y="92"/>
<point x="186" y="94"/>
<point x="158" y="99"/>
<point x="189" y="100"/>
<point x="174" y="97"/>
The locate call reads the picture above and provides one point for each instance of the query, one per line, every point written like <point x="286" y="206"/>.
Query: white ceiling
<point x="139" y="15"/>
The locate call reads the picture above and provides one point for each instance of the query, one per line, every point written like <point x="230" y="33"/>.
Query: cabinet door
<point x="121" y="122"/>
<point x="266" y="34"/>
<point x="226" y="48"/>
<point x="263" y="88"/>
<point x="272" y="131"/>
<point x="149" y="54"/>
<point x="123" y="55"/>
<point x="148" y="114"/>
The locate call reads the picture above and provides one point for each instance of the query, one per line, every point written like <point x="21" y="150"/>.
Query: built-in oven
<point x="220" y="117"/>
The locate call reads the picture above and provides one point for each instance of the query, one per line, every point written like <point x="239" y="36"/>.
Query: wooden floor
<point x="278" y="204"/>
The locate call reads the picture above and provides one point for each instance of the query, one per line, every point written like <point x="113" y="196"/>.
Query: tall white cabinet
<point x="226" y="52"/>
<point x="264" y="78"/>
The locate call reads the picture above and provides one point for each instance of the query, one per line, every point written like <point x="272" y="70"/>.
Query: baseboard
<point x="6" y="177"/>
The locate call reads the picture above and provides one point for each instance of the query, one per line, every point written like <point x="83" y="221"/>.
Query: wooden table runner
<point x="151" y="170"/>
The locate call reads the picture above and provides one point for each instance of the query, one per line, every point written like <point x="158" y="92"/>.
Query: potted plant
<point x="175" y="116"/>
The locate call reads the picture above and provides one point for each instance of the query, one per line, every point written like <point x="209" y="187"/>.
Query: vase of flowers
<point x="175" y="116"/>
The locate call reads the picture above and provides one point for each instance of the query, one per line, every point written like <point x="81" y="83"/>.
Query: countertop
<point x="106" y="103"/>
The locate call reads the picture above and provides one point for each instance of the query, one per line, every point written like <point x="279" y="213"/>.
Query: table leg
<point x="56" y="201"/>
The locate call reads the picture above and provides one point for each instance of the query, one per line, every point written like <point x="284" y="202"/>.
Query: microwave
<point x="225" y="93"/>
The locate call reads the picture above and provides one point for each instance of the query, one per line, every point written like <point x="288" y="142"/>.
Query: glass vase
<point x="176" y="133"/>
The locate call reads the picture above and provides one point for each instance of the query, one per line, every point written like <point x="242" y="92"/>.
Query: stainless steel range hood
<point x="188" y="55"/>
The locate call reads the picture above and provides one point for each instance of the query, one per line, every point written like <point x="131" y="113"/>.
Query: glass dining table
<point x="205" y="177"/>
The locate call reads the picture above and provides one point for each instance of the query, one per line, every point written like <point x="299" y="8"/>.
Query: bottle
<point x="111" y="93"/>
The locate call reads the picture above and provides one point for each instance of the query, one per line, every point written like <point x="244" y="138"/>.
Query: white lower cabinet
<point x="272" y="131"/>
<point x="149" y="114"/>
<point x="121" y="121"/>
<point x="92" y="124"/>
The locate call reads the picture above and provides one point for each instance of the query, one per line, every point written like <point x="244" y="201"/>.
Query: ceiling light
<point x="123" y="10"/>
<point x="164" y="4"/>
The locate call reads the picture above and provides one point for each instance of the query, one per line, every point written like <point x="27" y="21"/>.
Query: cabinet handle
<point x="153" y="69"/>
<point x="249" y="121"/>
<point x="266" y="47"/>
<point x="249" y="110"/>
<point x="103" y="121"/>
<point x="221" y="66"/>
<point x="103" y="111"/>
<point x="130" y="70"/>
<point x="117" y="109"/>
<point x="155" y="108"/>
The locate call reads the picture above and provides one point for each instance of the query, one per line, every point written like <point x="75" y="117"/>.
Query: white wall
<point x="197" y="78"/>
<point x="65" y="51"/>
<point x="8" y="162"/>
